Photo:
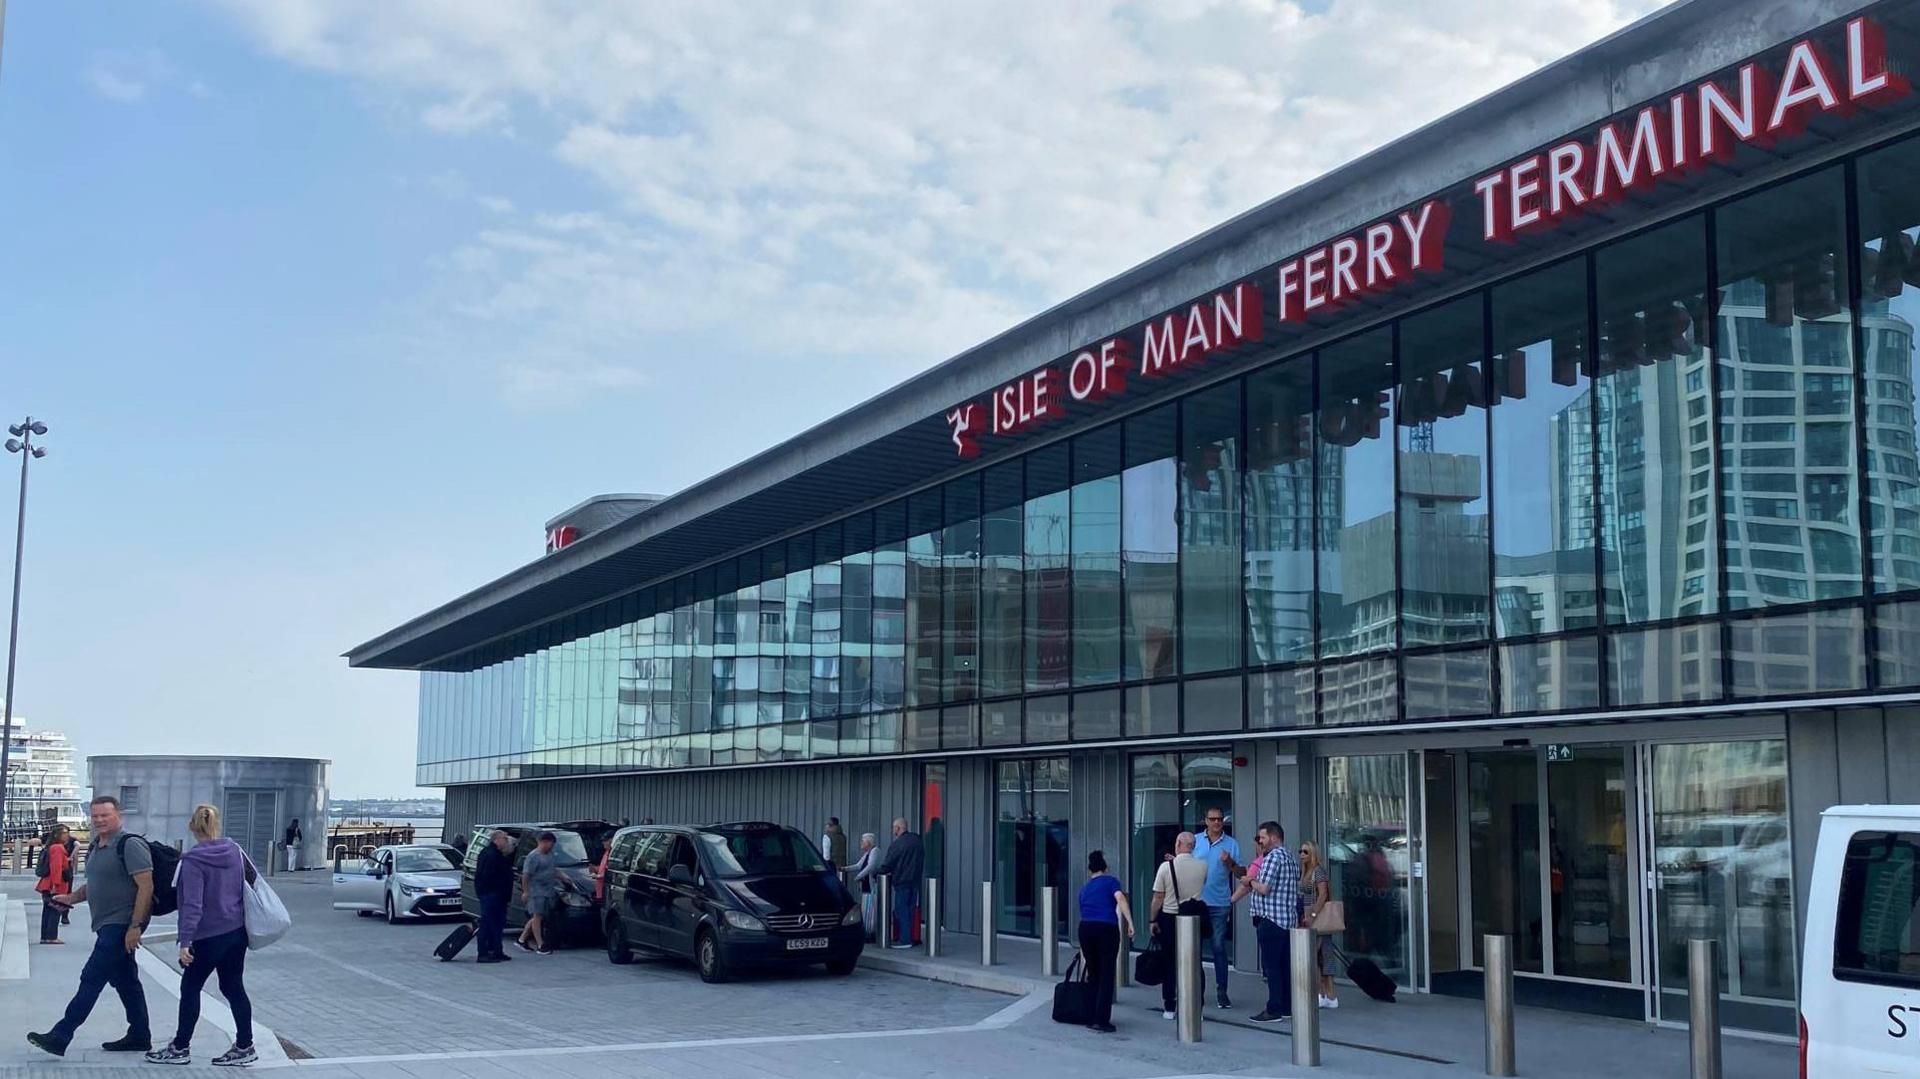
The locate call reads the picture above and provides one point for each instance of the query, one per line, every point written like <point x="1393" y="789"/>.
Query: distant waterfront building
<point x="256" y="796"/>
<point x="42" y="787"/>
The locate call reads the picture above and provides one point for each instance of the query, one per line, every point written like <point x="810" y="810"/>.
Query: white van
<point x="1860" y="981"/>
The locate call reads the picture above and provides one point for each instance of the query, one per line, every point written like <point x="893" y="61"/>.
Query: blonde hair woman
<point x="1315" y="890"/>
<point x="212" y="889"/>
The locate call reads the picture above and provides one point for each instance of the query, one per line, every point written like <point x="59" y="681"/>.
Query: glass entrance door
<point x="1366" y="853"/>
<point x="1723" y="869"/>
<point x="1031" y="832"/>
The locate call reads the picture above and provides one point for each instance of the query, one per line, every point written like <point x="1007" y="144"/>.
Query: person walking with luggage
<point x="493" y="884"/>
<point x="1221" y="853"/>
<point x="1315" y="893"/>
<point x="1104" y="916"/>
<point x="1178" y="882"/>
<point x="904" y="864"/>
<point x="55" y="872"/>
<point x="212" y="892"/>
<point x="119" y="891"/>
<point x="1275" y="888"/>
<point x="540" y="891"/>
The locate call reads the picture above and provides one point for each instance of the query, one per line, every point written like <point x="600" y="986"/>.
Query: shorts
<point x="542" y="906"/>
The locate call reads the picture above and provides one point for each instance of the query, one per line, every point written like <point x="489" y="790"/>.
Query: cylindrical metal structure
<point x="930" y="906"/>
<point x="339" y="855"/>
<point x="989" y="930"/>
<point x="1122" y="970"/>
<point x="1188" y="985"/>
<point x="1703" y="1007"/>
<point x="883" y="910"/>
<point x="1049" y="931"/>
<point x="1499" y="985"/>
<point x="273" y="859"/>
<point x="1306" y="999"/>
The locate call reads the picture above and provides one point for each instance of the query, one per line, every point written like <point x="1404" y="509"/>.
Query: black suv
<point x="728" y="896"/>
<point x="578" y="919"/>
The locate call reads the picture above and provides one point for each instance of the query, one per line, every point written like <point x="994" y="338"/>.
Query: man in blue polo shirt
<point x="1222" y="855"/>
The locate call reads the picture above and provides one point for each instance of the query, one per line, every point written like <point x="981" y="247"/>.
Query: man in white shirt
<point x="1179" y="880"/>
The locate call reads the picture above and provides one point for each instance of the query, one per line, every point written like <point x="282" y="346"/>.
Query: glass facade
<point x="1677" y="468"/>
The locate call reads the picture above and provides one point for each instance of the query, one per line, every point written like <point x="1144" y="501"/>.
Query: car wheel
<point x="706" y="955"/>
<point x="842" y="967"/>
<point x="618" y="953"/>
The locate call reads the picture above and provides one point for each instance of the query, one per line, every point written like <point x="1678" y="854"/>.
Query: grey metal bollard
<point x="1188" y="986"/>
<point x="1499" y="986"/>
<point x="1306" y="998"/>
<point x="1049" y="932"/>
<point x="930" y="934"/>
<point x="1703" y="1007"/>
<point x="273" y="860"/>
<point x="1122" y="970"/>
<point x="989" y="927"/>
<point x="339" y="855"/>
<point x="883" y="910"/>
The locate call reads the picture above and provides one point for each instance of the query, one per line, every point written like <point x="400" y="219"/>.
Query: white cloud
<point x="884" y="183"/>
<point x="129" y="77"/>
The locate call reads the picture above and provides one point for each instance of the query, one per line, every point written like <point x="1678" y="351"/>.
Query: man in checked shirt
<point x="1275" y="888"/>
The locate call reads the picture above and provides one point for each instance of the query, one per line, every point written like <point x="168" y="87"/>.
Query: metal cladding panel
<point x="1099" y="801"/>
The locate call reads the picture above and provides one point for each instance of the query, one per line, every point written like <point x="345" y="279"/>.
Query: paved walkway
<point x="351" y="997"/>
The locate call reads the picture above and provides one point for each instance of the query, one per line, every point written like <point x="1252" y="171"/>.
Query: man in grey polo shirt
<point x="119" y="892"/>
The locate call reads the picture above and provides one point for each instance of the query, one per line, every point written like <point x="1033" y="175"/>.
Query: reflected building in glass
<point x="1524" y="586"/>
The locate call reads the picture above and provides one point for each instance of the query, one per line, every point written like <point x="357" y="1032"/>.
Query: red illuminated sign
<point x="1665" y="140"/>
<point x="1755" y="105"/>
<point x="561" y="537"/>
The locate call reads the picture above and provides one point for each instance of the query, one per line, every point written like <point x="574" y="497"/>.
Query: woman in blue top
<point x="1103" y="916"/>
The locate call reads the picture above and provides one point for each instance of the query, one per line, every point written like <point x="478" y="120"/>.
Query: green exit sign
<point x="1559" y="753"/>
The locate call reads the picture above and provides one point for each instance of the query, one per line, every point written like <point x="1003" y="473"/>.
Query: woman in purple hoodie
<point x="211" y="888"/>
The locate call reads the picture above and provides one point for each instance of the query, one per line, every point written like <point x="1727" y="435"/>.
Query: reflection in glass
<point x="1366" y="850"/>
<point x="1096" y="715"/>
<point x="923" y="598"/>
<point x="1280" y="698"/>
<point x="1212" y="704"/>
<point x="1152" y="710"/>
<point x="1049" y="592"/>
<point x="1897" y="644"/>
<point x="1663" y="666"/>
<point x="1452" y="683"/>
<point x="1210" y="529"/>
<point x="1440" y="413"/>
<point x="1281" y="512"/>
<point x="1808" y="652"/>
<point x="960" y="591"/>
<point x="1150" y="555"/>
<point x="1724" y="859"/>
<point x="1032" y="800"/>
<point x="1171" y="793"/>
<point x="1587" y="865"/>
<point x="1659" y="549"/>
<point x="1543" y="520"/>
<point x="1357" y="608"/>
<point x="1000" y="590"/>
<point x="1786" y="393"/>
<point x="1360" y="691"/>
<point x="1890" y="309"/>
<point x="1096" y="556"/>
<point x="1503" y="826"/>
<point x="1557" y="674"/>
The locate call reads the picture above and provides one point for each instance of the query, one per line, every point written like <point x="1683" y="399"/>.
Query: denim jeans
<point x="109" y="964"/>
<point x="905" y="898"/>
<point x="493" y="925"/>
<point x="1221" y="921"/>
<point x="1276" y="962"/>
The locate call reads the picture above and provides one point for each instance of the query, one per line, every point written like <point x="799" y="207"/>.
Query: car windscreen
<point x="761" y="852"/>
<point x="423" y="861"/>
<point x="569" y="849"/>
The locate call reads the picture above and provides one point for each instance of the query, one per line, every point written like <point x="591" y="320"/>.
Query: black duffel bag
<point x="1073" y="997"/>
<point x="1152" y="966"/>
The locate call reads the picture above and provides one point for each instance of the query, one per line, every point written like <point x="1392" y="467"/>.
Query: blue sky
<point x="330" y="304"/>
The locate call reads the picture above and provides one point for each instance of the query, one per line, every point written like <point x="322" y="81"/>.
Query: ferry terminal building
<point x="1527" y="512"/>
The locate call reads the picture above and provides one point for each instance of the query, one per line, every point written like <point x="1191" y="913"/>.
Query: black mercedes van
<point x="728" y="897"/>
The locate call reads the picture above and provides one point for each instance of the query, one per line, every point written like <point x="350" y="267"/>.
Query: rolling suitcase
<point x="455" y="943"/>
<point x="1369" y="977"/>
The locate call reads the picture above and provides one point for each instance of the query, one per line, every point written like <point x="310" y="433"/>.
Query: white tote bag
<point x="267" y="917"/>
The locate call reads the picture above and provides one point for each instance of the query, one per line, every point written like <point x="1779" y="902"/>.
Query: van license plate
<point x="806" y="944"/>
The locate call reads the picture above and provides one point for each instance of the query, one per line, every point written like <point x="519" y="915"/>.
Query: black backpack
<point x="45" y="867"/>
<point x="166" y="867"/>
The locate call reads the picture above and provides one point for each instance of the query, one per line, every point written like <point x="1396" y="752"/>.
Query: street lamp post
<point x="22" y="444"/>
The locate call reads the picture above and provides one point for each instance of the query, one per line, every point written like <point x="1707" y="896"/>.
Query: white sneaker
<point x="1164" y="1014"/>
<point x="1329" y="1002"/>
